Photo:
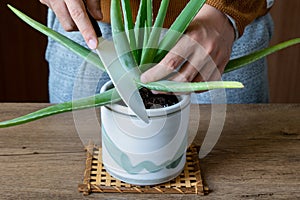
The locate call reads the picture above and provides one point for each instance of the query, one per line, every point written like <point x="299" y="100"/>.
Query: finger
<point x="189" y="71"/>
<point x="210" y="71"/>
<point x="46" y="3"/>
<point x="197" y="79"/>
<point x="213" y="68"/>
<point x="176" y="57"/>
<point x="215" y="76"/>
<point x="78" y="13"/>
<point x="223" y="59"/>
<point x="186" y="49"/>
<point x="186" y="73"/>
<point x="168" y="65"/>
<point x="61" y="11"/>
<point x="199" y="63"/>
<point x="95" y="9"/>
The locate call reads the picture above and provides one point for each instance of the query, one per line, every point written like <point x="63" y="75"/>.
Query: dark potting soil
<point x="157" y="100"/>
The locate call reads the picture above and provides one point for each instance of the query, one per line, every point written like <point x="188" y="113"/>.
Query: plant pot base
<point x="153" y="178"/>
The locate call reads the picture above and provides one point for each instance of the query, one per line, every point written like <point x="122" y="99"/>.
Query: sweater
<point x="242" y="12"/>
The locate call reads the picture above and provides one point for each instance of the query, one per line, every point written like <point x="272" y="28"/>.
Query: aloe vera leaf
<point x="120" y="38"/>
<point x="86" y="102"/>
<point x="146" y="38"/>
<point x="83" y="52"/>
<point x="149" y="13"/>
<point x="126" y="9"/>
<point x="173" y="86"/>
<point x="111" y="96"/>
<point x="231" y="66"/>
<point x="141" y="15"/>
<point x="147" y="24"/>
<point x="178" y="27"/>
<point x="139" y="28"/>
<point x="240" y="62"/>
<point x="129" y="26"/>
<point x="104" y="98"/>
<point x="150" y="50"/>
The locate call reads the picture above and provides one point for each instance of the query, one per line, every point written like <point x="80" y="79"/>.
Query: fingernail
<point x="154" y="92"/>
<point x="92" y="44"/>
<point x="99" y="14"/>
<point x="144" y="79"/>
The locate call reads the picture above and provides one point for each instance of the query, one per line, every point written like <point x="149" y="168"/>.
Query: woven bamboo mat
<point x="97" y="180"/>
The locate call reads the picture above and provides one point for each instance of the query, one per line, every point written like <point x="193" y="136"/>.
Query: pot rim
<point x="184" y="101"/>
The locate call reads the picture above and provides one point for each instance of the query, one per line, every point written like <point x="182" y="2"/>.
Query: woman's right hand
<point x="73" y="16"/>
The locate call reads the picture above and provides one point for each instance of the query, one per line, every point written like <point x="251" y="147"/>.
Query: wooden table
<point x="256" y="157"/>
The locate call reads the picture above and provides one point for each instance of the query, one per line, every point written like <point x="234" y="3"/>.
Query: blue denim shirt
<point x="71" y="77"/>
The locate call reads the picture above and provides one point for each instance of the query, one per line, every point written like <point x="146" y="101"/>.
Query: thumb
<point x="94" y="9"/>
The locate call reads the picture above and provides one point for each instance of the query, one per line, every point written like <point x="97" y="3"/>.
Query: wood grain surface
<point x="256" y="157"/>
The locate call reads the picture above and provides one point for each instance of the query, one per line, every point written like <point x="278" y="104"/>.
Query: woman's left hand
<point x="202" y="53"/>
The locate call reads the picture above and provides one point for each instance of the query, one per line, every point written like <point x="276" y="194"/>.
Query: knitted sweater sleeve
<point x="243" y="12"/>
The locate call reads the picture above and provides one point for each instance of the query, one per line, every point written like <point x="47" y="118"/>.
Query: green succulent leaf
<point x="111" y="96"/>
<point x="149" y="12"/>
<point x="85" y="53"/>
<point x="120" y="38"/>
<point x="84" y="103"/>
<point x="242" y="61"/>
<point x="178" y="28"/>
<point x="139" y="28"/>
<point x="151" y="45"/>
<point x="129" y="25"/>
<point x="176" y="87"/>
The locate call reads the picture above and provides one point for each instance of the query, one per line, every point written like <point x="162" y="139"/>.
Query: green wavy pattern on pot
<point x="124" y="161"/>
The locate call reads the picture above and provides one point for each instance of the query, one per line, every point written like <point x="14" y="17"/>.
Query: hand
<point x="73" y="16"/>
<point x="202" y="53"/>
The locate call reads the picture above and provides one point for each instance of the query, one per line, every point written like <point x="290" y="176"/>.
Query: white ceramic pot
<point x="140" y="153"/>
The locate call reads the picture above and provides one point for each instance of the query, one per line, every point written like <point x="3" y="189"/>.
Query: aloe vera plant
<point x="151" y="51"/>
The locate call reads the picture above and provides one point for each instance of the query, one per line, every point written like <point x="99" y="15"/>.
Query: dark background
<point x="23" y="68"/>
<point x="24" y="71"/>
